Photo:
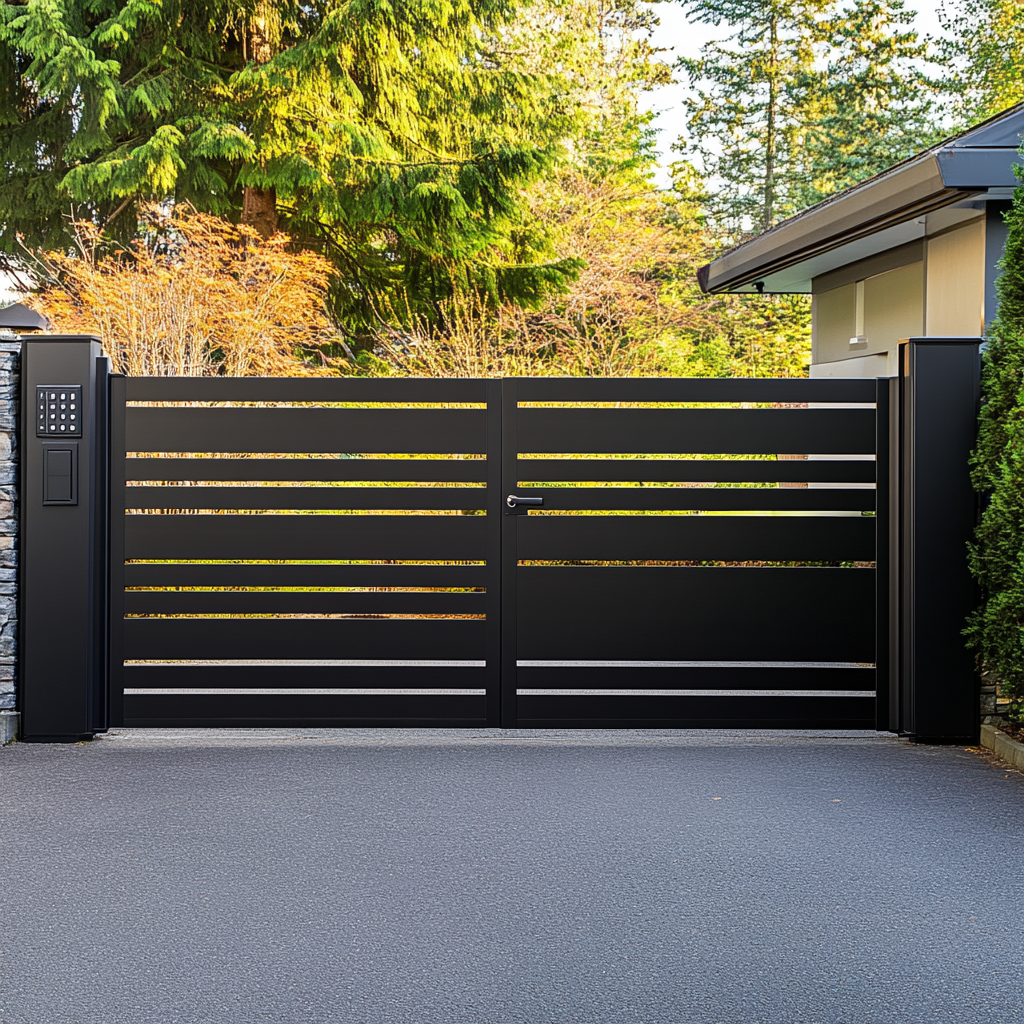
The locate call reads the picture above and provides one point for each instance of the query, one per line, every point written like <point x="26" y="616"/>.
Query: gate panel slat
<point x="437" y="711"/>
<point x="303" y="677"/>
<point x="845" y="471"/>
<point x="696" y="431"/>
<point x="663" y="678"/>
<point x="434" y="538"/>
<point x="170" y="602"/>
<point x="308" y="498"/>
<point x="702" y="614"/>
<point x="698" y="538"/>
<point x="731" y="499"/>
<point x="639" y="712"/>
<point x="303" y="389"/>
<point x="204" y="639"/>
<point x="690" y="389"/>
<point x="171" y="574"/>
<point x="407" y="431"/>
<point x="428" y="470"/>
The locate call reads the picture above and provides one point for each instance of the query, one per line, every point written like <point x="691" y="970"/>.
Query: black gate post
<point x="63" y="615"/>
<point x="939" y="387"/>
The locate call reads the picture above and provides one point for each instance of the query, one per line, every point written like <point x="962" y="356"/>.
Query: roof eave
<point x="911" y="190"/>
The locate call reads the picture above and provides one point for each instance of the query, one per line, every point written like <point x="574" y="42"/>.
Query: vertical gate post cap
<point x="966" y="340"/>
<point x="61" y="337"/>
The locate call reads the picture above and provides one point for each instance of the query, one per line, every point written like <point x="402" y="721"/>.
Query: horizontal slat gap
<point x="270" y="692"/>
<point x="339" y="484"/>
<point x="313" y="663"/>
<point x="303" y="590"/>
<point x="747" y="459"/>
<point x="231" y="511"/>
<point x="653" y="563"/>
<point x="299" y="561"/>
<point x="303" y="615"/>
<point x="693" y="404"/>
<point x="242" y="404"/>
<point x="683" y="485"/>
<point x="693" y="665"/>
<point x="752" y="513"/>
<point x="325" y="457"/>
<point x="696" y="693"/>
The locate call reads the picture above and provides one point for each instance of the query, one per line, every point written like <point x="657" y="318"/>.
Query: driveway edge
<point x="1002" y="745"/>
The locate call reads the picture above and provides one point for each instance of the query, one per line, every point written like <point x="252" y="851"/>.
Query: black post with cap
<point x="63" y="534"/>
<point x="939" y="394"/>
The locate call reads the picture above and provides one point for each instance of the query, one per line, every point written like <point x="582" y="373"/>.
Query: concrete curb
<point x="1002" y="745"/>
<point x="9" y="727"/>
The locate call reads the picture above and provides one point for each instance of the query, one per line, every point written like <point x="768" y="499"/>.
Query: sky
<point x="681" y="39"/>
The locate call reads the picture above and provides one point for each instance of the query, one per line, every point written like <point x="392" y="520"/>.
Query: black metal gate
<point x="352" y="552"/>
<point x="703" y="552"/>
<point x="304" y="552"/>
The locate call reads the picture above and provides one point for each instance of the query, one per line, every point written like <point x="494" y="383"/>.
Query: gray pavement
<point x="367" y="876"/>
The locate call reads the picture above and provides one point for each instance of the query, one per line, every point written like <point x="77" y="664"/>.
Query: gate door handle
<point x="512" y="500"/>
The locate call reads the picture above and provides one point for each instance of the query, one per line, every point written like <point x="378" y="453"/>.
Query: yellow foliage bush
<point x="195" y="296"/>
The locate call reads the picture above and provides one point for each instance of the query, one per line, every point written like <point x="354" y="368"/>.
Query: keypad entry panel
<point x="59" y="410"/>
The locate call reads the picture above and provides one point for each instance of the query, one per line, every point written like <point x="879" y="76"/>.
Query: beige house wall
<point x="955" y="292"/>
<point x="892" y="307"/>
<point x="941" y="295"/>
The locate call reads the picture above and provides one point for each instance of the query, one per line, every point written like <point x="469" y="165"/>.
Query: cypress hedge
<point x="996" y="629"/>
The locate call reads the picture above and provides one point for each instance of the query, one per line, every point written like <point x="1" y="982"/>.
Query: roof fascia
<point x="912" y="189"/>
<point x="977" y="167"/>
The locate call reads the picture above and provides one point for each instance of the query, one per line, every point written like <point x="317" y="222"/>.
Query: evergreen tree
<point x="996" y="630"/>
<point x="388" y="135"/>
<point x="985" y="55"/>
<point x="744" y="106"/>
<point x="807" y="98"/>
<point x="867" y="103"/>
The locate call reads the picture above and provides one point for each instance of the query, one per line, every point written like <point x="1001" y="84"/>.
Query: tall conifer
<point x="387" y="134"/>
<point x="984" y="49"/>
<point x="800" y="99"/>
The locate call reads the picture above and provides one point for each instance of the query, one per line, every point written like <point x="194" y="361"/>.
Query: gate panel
<point x="725" y="614"/>
<point x="737" y="589"/>
<point x="337" y="583"/>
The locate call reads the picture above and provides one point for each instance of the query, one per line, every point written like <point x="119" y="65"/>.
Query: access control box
<point x="59" y="410"/>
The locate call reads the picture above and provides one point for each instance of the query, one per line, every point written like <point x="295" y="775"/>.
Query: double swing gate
<point x="531" y="553"/>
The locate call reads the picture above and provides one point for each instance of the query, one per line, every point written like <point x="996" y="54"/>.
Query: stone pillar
<point x="10" y="366"/>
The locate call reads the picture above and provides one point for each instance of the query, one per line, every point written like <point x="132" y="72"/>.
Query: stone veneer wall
<point x="10" y="366"/>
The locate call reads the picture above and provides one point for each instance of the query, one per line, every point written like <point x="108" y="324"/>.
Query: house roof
<point x="951" y="181"/>
<point x="20" y="318"/>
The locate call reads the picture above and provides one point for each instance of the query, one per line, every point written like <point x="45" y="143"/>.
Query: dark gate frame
<point x="927" y="686"/>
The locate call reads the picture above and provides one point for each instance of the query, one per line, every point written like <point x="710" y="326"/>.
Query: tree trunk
<point x="259" y="209"/>
<point x="259" y="205"/>
<point x="768" y="210"/>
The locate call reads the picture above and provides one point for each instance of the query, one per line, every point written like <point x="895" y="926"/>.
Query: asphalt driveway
<point x="503" y="878"/>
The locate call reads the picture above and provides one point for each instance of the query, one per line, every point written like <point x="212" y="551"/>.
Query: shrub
<point x="193" y="296"/>
<point x="996" y="629"/>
